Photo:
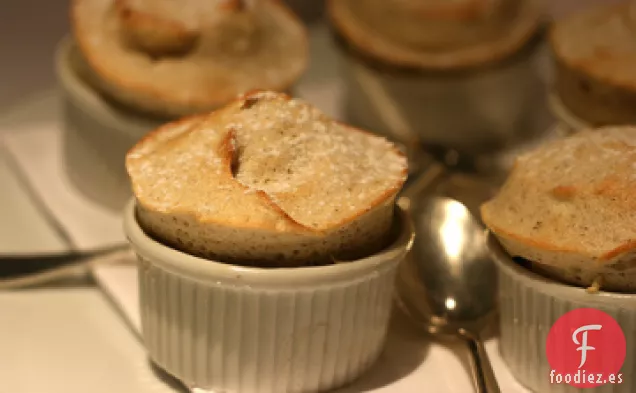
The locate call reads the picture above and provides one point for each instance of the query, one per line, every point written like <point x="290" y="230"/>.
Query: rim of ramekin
<point x="563" y="114"/>
<point x="552" y="287"/>
<point x="207" y="270"/>
<point x="90" y="100"/>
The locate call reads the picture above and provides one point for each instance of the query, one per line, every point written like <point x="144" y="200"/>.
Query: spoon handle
<point x="482" y="370"/>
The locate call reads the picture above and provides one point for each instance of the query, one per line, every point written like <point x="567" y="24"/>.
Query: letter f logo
<point x="586" y="342"/>
<point x="583" y="344"/>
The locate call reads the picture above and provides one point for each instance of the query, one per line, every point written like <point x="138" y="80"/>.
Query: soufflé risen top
<point x="173" y="58"/>
<point x="569" y="208"/>
<point x="267" y="181"/>
<point x="436" y="34"/>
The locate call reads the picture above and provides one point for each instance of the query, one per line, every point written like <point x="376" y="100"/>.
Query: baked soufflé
<point x="569" y="209"/>
<point x="267" y="181"/>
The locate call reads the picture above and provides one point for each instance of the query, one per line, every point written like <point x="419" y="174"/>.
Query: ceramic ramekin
<point x="530" y="304"/>
<point x="472" y="111"/>
<point x="97" y="134"/>
<point x="231" y="329"/>
<point x="566" y="119"/>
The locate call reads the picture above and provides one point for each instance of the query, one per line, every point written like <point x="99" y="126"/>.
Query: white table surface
<point x="29" y="30"/>
<point x="58" y="339"/>
<point x="22" y="228"/>
<point x="70" y="340"/>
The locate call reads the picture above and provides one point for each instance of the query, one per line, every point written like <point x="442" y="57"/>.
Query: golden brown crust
<point x="525" y="240"/>
<point x="564" y="192"/>
<point x="621" y="250"/>
<point x="267" y="181"/>
<point x="154" y="137"/>
<point x="226" y="152"/>
<point x="374" y="204"/>
<point x="150" y="137"/>
<point x="152" y="33"/>
<point x="545" y="246"/>
<point x="570" y="202"/>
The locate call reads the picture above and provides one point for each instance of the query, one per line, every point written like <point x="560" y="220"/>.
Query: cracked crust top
<point x="289" y="184"/>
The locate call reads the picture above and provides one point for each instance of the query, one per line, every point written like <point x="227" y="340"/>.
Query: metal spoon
<point x="447" y="284"/>
<point x="26" y="272"/>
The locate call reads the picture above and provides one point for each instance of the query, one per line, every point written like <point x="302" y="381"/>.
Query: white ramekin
<point x="471" y="111"/>
<point x="97" y="134"/>
<point x="530" y="304"/>
<point x="231" y="329"/>
<point x="566" y="119"/>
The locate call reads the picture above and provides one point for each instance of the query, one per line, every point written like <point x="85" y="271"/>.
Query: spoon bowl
<point x="451" y="261"/>
<point x="447" y="284"/>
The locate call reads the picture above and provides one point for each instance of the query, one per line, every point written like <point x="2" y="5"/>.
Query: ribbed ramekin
<point x="230" y="329"/>
<point x="97" y="134"/>
<point x="530" y="304"/>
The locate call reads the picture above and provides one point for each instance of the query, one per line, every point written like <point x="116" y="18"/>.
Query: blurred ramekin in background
<point x="96" y="134"/>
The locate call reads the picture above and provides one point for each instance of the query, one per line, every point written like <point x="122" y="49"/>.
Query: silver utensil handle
<point x="483" y="374"/>
<point x="78" y="269"/>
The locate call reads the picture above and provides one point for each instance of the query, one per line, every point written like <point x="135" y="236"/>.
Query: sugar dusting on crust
<point x="319" y="172"/>
<point x="294" y="153"/>
<point x="612" y="146"/>
<point x="574" y="194"/>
